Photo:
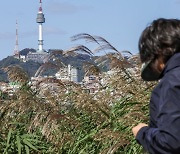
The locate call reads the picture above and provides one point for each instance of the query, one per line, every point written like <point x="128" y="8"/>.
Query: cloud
<point x="53" y="31"/>
<point x="11" y="35"/>
<point x="46" y="31"/>
<point x="28" y="34"/>
<point x="7" y="36"/>
<point x="65" y="8"/>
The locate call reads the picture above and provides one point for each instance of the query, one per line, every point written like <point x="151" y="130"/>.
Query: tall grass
<point x="52" y="116"/>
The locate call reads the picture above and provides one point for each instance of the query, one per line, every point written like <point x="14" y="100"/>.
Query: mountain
<point x="26" y="51"/>
<point x="31" y="67"/>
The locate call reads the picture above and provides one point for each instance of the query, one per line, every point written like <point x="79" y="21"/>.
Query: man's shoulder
<point x="169" y="81"/>
<point x="172" y="75"/>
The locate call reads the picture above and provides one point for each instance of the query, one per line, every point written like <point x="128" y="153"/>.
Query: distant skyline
<point x="119" y="21"/>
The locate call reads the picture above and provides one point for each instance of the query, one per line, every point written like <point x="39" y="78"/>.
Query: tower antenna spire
<point x="40" y="7"/>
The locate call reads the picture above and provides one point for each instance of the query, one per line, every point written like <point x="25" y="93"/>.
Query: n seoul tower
<point x="40" y="20"/>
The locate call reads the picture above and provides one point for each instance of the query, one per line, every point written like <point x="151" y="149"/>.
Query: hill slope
<point x="31" y="67"/>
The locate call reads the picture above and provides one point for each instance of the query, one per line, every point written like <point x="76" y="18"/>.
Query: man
<point x="159" y="47"/>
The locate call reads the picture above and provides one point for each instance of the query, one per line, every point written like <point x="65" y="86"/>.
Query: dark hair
<point x="161" y="38"/>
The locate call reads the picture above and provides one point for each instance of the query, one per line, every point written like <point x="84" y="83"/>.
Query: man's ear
<point x="159" y="64"/>
<point x="162" y="65"/>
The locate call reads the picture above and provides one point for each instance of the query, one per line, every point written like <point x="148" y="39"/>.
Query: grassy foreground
<point x="55" y="117"/>
<point x="50" y="116"/>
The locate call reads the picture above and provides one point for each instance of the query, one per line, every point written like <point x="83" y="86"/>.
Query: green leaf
<point x="29" y="144"/>
<point x="9" y="136"/>
<point x="27" y="149"/>
<point x="18" y="144"/>
<point x="8" y="140"/>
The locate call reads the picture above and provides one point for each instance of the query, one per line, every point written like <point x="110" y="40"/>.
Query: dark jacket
<point x="162" y="136"/>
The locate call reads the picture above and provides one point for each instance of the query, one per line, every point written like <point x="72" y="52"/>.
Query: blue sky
<point x="118" y="21"/>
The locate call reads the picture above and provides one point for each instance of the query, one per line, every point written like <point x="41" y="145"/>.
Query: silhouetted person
<point x="159" y="47"/>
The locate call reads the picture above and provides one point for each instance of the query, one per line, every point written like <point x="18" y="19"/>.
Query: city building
<point x="91" y="83"/>
<point x="69" y="73"/>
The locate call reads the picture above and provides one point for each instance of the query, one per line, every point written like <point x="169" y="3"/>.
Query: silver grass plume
<point x="80" y="48"/>
<point x="44" y="67"/>
<point x="84" y="36"/>
<point x="16" y="74"/>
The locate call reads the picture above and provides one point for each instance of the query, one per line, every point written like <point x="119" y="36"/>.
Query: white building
<point x="69" y="73"/>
